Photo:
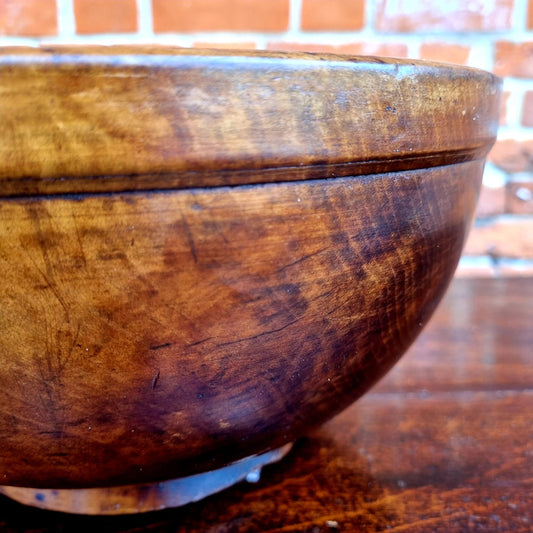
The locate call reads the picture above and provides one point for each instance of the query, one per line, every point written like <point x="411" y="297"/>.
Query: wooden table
<point x="443" y="443"/>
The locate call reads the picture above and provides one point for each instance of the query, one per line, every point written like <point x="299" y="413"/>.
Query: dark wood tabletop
<point x="442" y="443"/>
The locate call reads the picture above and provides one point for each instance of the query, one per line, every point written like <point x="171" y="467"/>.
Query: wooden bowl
<point x="206" y="254"/>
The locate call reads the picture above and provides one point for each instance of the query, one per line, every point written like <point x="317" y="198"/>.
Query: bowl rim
<point x="208" y="118"/>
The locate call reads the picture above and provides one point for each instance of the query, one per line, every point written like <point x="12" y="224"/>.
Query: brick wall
<point x="495" y="35"/>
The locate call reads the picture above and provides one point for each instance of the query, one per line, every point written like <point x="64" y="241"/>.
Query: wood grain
<point x="115" y="118"/>
<point x="418" y="453"/>
<point x="184" y="339"/>
<point x="157" y="322"/>
<point x="472" y="348"/>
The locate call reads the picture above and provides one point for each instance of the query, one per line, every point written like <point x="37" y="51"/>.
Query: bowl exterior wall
<point x="155" y="334"/>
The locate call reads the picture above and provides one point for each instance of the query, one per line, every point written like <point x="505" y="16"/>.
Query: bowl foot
<point x="128" y="499"/>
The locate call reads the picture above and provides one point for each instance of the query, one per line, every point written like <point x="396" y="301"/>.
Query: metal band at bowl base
<point x="128" y="499"/>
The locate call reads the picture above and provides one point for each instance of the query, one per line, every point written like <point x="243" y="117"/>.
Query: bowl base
<point x="128" y="499"/>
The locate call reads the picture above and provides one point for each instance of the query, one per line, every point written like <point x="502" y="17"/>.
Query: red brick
<point x="249" y="45"/>
<point x="333" y="15"/>
<point x="220" y="15"/>
<point x="450" y="53"/>
<point x="519" y="198"/>
<point x="514" y="59"/>
<point x="512" y="155"/>
<point x="28" y="18"/>
<point x="103" y="16"/>
<point x="379" y="49"/>
<point x="504" y="237"/>
<point x="491" y="202"/>
<point x="451" y="15"/>
<point x="527" y="110"/>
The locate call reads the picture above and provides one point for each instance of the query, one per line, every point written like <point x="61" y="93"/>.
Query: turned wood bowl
<point x="204" y="255"/>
